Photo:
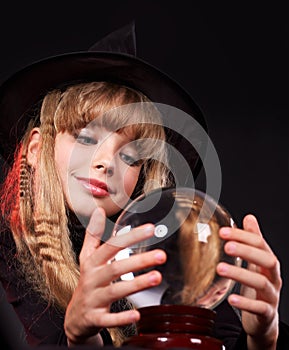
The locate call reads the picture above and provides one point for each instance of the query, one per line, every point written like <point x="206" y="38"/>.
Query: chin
<point x="112" y="211"/>
<point x="83" y="216"/>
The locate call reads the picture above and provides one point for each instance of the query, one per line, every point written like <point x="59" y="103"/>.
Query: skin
<point x="261" y="283"/>
<point x="88" y="310"/>
<point x="258" y="301"/>
<point x="107" y="157"/>
<point x="86" y="315"/>
<point x="101" y="155"/>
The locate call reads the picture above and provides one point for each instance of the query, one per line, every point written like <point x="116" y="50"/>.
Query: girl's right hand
<point x="89" y="308"/>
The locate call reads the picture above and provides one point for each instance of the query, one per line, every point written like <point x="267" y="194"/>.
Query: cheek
<point x="62" y="162"/>
<point x="69" y="158"/>
<point x="130" y="180"/>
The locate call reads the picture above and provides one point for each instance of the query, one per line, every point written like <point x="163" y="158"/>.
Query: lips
<point x="95" y="187"/>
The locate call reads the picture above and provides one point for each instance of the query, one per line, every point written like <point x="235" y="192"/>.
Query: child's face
<point x="97" y="168"/>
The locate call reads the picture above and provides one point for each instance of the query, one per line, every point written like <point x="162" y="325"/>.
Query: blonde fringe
<point x="38" y="217"/>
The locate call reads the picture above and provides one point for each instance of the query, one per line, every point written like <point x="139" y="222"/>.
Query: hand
<point x="261" y="283"/>
<point x="89" y="308"/>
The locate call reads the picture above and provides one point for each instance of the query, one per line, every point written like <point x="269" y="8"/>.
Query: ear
<point x="33" y="146"/>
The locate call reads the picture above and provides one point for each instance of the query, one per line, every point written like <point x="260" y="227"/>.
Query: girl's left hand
<point x="261" y="283"/>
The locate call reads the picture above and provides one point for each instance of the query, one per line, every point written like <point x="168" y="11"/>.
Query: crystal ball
<point x="187" y="222"/>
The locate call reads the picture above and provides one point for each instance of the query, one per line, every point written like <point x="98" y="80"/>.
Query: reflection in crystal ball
<point x="187" y="223"/>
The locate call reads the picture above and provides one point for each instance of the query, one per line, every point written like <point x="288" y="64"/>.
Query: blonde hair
<point x="36" y="207"/>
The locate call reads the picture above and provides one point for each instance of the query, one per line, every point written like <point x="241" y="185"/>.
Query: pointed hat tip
<point x="122" y="40"/>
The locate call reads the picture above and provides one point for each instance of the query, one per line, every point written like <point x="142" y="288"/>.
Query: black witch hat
<point x="111" y="59"/>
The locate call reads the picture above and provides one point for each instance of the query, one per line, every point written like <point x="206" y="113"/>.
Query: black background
<point x="232" y="56"/>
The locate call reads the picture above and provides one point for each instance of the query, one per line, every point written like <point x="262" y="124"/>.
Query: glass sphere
<point x="187" y="223"/>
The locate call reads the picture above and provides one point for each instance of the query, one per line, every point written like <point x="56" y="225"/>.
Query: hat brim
<point x="29" y="85"/>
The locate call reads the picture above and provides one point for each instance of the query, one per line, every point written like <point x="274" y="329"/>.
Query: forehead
<point x="129" y="130"/>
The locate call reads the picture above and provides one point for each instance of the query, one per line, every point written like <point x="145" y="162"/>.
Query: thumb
<point x="93" y="234"/>
<point x="250" y="224"/>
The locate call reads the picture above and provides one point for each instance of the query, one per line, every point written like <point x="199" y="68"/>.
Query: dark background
<point x="231" y="56"/>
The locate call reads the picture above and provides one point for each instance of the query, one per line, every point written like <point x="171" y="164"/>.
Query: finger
<point x="250" y="224"/>
<point x="136" y="235"/>
<point x="253" y="249"/>
<point x="246" y="237"/>
<point x="122" y="289"/>
<point x="250" y="279"/>
<point x="93" y="234"/>
<point x="109" y="249"/>
<point x="111" y="272"/>
<point x="115" y="319"/>
<point x="257" y="307"/>
<point x="252" y="254"/>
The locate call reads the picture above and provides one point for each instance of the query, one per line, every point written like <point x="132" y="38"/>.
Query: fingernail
<point x="225" y="231"/>
<point x="149" y="230"/>
<point x="234" y="300"/>
<point x="231" y="247"/>
<point x="159" y="257"/>
<point x="153" y="278"/>
<point x="222" y="268"/>
<point x="134" y="316"/>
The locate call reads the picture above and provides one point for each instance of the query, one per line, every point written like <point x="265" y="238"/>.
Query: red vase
<point x="175" y="326"/>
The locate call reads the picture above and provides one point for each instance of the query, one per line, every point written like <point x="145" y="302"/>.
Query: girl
<point x="68" y="154"/>
<point x="75" y="168"/>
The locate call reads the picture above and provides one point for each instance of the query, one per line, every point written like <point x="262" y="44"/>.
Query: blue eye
<point x="86" y="140"/>
<point x="131" y="161"/>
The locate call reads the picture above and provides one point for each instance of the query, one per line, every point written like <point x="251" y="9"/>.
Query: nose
<point x="104" y="167"/>
<point x="103" y="159"/>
